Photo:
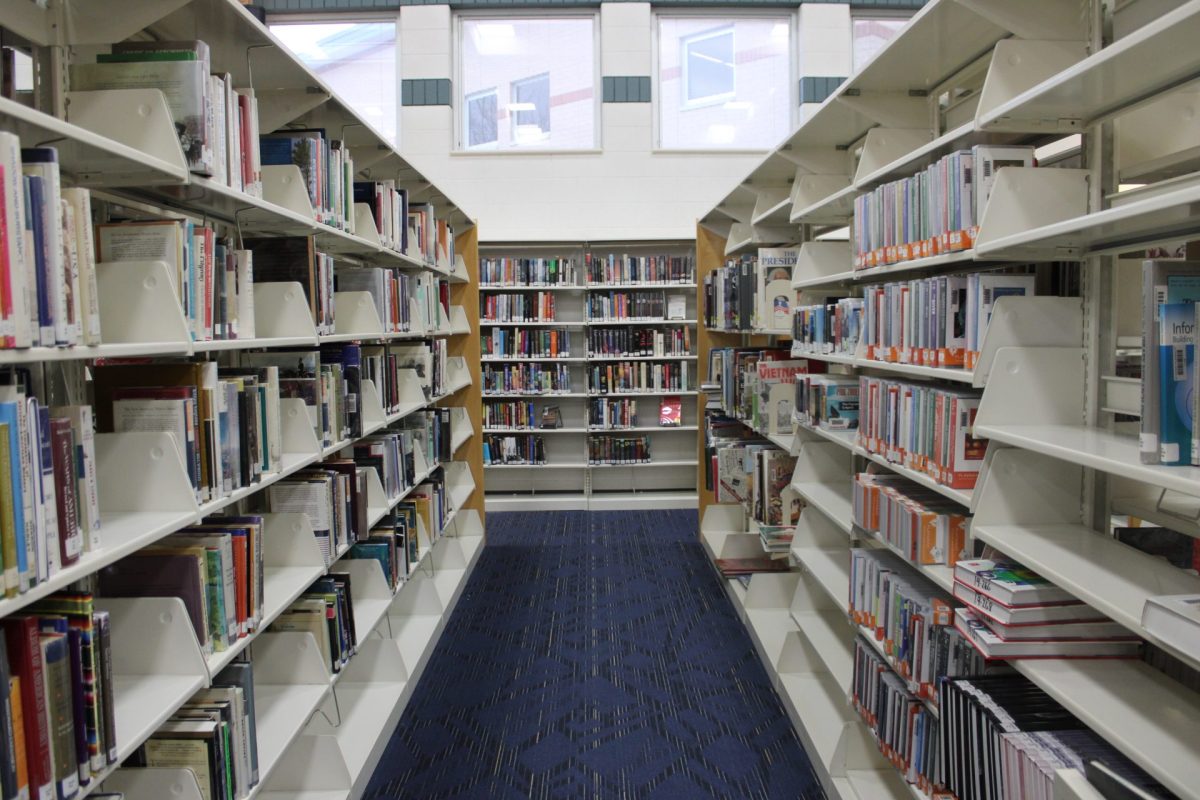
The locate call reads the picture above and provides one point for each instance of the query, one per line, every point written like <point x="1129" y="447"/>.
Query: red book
<point x="25" y="661"/>
<point x="242" y="581"/>
<point x="70" y="536"/>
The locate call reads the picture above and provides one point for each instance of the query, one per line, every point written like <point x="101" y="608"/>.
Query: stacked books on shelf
<point x="49" y="497"/>
<point x="48" y="294"/>
<point x="517" y="307"/>
<point x="215" y="568"/>
<point x="608" y="414"/>
<point x="296" y="259"/>
<point x="618" y="449"/>
<point x="922" y="427"/>
<point x="510" y="414"/>
<point x="432" y="238"/>
<point x="918" y="523"/>
<point x="752" y="472"/>
<point x="326" y="167"/>
<point x="1169" y="435"/>
<point x="934" y="212"/>
<point x="635" y="306"/>
<point x="392" y="545"/>
<point x="217" y="122"/>
<point x="638" y="376"/>
<point x="382" y="365"/>
<point x="828" y="402"/>
<point x="639" y="342"/>
<point x="753" y="292"/>
<point x="390" y="290"/>
<point x="389" y="209"/>
<point x="502" y="343"/>
<point x="759" y="384"/>
<point x="935" y="322"/>
<point x="776" y="539"/>
<point x="516" y="272"/>
<point x="525" y="450"/>
<point x="612" y="268"/>
<point x="832" y="327"/>
<point x="526" y="379"/>
<point x="214" y="734"/>
<point x="326" y="610"/>
<point x="333" y="495"/>
<point x="1012" y="612"/>
<point x="58" y="718"/>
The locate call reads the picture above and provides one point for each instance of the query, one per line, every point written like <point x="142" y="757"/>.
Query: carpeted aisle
<point x="594" y="655"/>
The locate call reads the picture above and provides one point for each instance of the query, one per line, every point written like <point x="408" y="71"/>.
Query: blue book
<point x="1176" y="364"/>
<point x="48" y="546"/>
<point x="378" y="551"/>
<point x="35" y="222"/>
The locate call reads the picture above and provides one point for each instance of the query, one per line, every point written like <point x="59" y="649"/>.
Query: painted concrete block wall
<point x="624" y="190"/>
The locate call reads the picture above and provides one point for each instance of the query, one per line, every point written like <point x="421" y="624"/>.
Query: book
<point x="551" y="417"/>
<point x="670" y="411"/>
<point x="25" y="662"/>
<point x="1176" y="372"/>
<point x="731" y="567"/>
<point x="991" y="645"/>
<point x="1010" y="583"/>
<point x="1163" y="282"/>
<point x="773" y="287"/>
<point x="57" y="668"/>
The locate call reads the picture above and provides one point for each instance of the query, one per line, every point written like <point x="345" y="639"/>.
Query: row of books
<point x="758" y="384"/>
<point x="515" y="272"/>
<point x="639" y="342"/>
<point x="832" y="327"/>
<point x="618" y="450"/>
<point x="389" y="209"/>
<point x="918" y="523"/>
<point x="57" y="715"/>
<point x="750" y="470"/>
<point x="935" y="211"/>
<point x="215" y="568"/>
<point x="393" y="542"/>
<point x="434" y="237"/>
<point x="935" y="322"/>
<point x="525" y="343"/>
<point x="923" y="427"/>
<point x="214" y="734"/>
<point x="612" y="414"/>
<point x="526" y="379"/>
<point x="518" y="307"/>
<point x="48" y="293"/>
<point x="1170" y="401"/>
<point x="640" y="269"/>
<point x="639" y="306"/>
<point x="391" y="291"/>
<point x="828" y="402"/>
<point x="216" y="122"/>
<point x="49" y="496"/>
<point x="525" y="449"/>
<point x="382" y="365"/>
<point x="753" y="292"/>
<point x="635" y="376"/>
<point x="326" y="611"/>
<point x="511" y="414"/>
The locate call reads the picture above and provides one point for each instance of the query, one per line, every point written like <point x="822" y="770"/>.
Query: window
<point x="871" y="34"/>
<point x="722" y="83"/>
<point x="708" y="67"/>
<point x="480" y="119"/>
<point x="357" y="60"/>
<point x="527" y="82"/>
<point x="531" y="109"/>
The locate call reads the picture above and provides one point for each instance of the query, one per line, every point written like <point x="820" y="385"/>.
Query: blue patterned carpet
<point x="594" y="655"/>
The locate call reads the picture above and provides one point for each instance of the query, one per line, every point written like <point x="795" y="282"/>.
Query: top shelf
<point x="1157" y="57"/>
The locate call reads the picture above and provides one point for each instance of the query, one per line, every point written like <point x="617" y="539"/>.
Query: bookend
<point x="137" y="118"/>
<point x="154" y="784"/>
<point x="373" y="416"/>
<point x="281" y="311"/>
<point x="1018" y="65"/>
<point x="1024" y="198"/>
<point x="139" y="304"/>
<point x="311" y="764"/>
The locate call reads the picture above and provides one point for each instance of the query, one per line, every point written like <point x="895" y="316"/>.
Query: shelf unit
<point x="1059" y="461"/>
<point x="578" y="484"/>
<point x="145" y="493"/>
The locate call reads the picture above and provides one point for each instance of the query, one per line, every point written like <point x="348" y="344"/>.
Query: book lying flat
<point x="745" y="566"/>
<point x="991" y="645"/>
<point x="993" y="609"/>
<point x="1010" y="583"/>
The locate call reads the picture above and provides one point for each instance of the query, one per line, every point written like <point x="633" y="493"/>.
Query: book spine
<point x="25" y="656"/>
<point x="14" y="327"/>
<point x="89" y="295"/>
<point x="60" y="716"/>
<point x="27" y="533"/>
<point x="8" y="742"/>
<point x="43" y="162"/>
<point x="47" y="545"/>
<point x="8" y="513"/>
<point x="79" y="706"/>
<point x="102" y="628"/>
<point x="70" y="536"/>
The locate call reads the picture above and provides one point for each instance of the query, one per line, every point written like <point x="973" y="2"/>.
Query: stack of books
<point x="832" y="327"/>
<point x="391" y="545"/>
<point x="325" y="610"/>
<point x="389" y="289"/>
<point x="1012" y="612"/>
<point x="776" y="539"/>
<point x="918" y="523"/>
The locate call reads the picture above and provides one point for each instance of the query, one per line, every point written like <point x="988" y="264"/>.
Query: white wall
<point x="623" y="191"/>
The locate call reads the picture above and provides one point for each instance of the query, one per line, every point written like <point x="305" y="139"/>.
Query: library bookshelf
<point x="1062" y="456"/>
<point x="319" y="734"/>
<point x="666" y="478"/>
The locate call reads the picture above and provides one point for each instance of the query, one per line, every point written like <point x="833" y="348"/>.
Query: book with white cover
<point x="16" y="329"/>
<point x="1010" y="583"/>
<point x="1024" y="615"/>
<point x="990" y="158"/>
<point x="1175" y="618"/>
<point x="991" y="645"/>
<point x="773" y="289"/>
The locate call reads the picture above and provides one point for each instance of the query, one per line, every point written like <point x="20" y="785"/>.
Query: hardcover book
<point x="1176" y="373"/>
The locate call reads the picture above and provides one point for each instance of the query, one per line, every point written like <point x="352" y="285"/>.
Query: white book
<point x="15" y="327"/>
<point x="774" y="295"/>
<point x="989" y="159"/>
<point x="1175" y="618"/>
<point x="245" y="294"/>
<point x="160" y="240"/>
<point x="991" y="645"/>
<point x="88" y="295"/>
<point x="219" y="129"/>
<point x="989" y="288"/>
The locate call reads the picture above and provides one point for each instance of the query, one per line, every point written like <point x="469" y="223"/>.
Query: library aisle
<point x="594" y="654"/>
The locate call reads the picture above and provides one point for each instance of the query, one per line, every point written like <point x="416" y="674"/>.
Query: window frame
<point x="458" y="147"/>
<point x="869" y="14"/>
<point x="512" y="90"/>
<point x="494" y="91"/>
<point x="721" y="18"/>
<point x="684" y="74"/>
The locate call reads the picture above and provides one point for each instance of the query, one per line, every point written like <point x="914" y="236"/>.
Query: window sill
<point x="533" y="151"/>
